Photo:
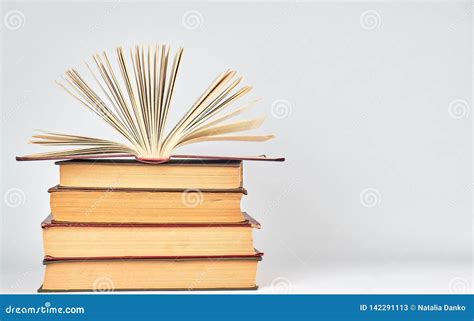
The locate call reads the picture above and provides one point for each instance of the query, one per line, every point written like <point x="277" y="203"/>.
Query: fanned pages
<point x="135" y="101"/>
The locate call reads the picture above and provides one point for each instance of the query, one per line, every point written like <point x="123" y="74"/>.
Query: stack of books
<point x="125" y="225"/>
<point x="161" y="220"/>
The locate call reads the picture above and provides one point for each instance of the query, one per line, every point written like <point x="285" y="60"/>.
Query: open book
<point x="135" y="102"/>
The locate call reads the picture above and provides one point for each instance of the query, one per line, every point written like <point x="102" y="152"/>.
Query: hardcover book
<point x="151" y="273"/>
<point x="176" y="174"/>
<point x="173" y="239"/>
<point x="126" y="205"/>
<point x="136" y="105"/>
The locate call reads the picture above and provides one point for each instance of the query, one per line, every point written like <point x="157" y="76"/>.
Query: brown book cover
<point x="257" y="256"/>
<point x="114" y="157"/>
<point x="59" y="188"/>
<point x="174" y="162"/>
<point x="48" y="222"/>
<point x="42" y="290"/>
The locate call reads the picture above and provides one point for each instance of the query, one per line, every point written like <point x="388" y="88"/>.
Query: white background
<point x="370" y="102"/>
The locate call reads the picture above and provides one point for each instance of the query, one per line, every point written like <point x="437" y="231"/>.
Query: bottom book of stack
<point x="137" y="257"/>
<point x="151" y="273"/>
